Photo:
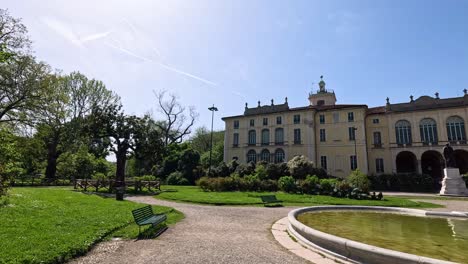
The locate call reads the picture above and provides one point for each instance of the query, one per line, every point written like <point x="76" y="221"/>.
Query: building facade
<point x="395" y="138"/>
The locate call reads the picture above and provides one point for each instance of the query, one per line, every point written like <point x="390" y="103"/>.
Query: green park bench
<point x="270" y="199"/>
<point x="145" y="216"/>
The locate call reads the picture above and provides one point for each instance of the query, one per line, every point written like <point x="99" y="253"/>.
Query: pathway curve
<point x="208" y="234"/>
<point x="212" y="234"/>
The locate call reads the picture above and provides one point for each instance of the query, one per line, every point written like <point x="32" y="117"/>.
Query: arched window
<point x="265" y="155"/>
<point x="403" y="132"/>
<point x="252" y="137"/>
<point x="279" y="136"/>
<point x="428" y="130"/>
<point x="265" y="137"/>
<point x="456" y="129"/>
<point x="279" y="156"/>
<point x="252" y="156"/>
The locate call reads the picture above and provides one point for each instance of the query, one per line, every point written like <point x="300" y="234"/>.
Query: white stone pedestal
<point x="453" y="184"/>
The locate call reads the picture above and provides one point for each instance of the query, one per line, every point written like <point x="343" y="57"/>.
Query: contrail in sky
<point x="167" y="67"/>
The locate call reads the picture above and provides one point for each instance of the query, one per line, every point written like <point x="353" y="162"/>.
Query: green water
<point x="440" y="238"/>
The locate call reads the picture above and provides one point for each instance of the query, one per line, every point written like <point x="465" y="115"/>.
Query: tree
<point x="202" y="138"/>
<point x="70" y="100"/>
<point x="121" y="130"/>
<point x="176" y="124"/>
<point x="22" y="89"/>
<point x="10" y="160"/>
<point x="13" y="36"/>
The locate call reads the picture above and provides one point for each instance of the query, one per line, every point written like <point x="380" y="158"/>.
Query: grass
<point x="52" y="225"/>
<point x="193" y="194"/>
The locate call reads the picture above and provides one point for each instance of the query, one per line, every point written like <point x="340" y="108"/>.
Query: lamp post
<point x="212" y="109"/>
<point x="355" y="152"/>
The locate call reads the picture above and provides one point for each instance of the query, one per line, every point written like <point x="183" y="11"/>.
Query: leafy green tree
<point x="13" y="37"/>
<point x="122" y="131"/>
<point x="22" y="90"/>
<point x="10" y="160"/>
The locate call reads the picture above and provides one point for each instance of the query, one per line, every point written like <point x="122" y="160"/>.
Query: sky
<point x="231" y="52"/>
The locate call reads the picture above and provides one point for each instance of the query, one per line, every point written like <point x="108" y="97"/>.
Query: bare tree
<point x="177" y="124"/>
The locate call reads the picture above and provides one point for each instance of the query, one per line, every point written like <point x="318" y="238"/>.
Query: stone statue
<point x="449" y="157"/>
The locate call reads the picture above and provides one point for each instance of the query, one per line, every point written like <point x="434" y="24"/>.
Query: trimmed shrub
<point x="250" y="183"/>
<point x="287" y="184"/>
<point x="204" y="183"/>
<point x="300" y="167"/>
<point x="357" y="179"/>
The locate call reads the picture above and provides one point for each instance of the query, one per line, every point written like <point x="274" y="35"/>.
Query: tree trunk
<point x="121" y="157"/>
<point x="52" y="156"/>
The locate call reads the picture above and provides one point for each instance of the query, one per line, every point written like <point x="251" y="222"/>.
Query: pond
<point x="439" y="238"/>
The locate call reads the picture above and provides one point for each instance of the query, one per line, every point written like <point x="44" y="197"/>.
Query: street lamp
<point x="355" y="152"/>
<point x="212" y="109"/>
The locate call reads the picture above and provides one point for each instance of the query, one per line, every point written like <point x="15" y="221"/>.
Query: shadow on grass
<point x="273" y="205"/>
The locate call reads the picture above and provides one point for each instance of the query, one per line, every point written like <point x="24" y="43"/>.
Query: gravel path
<point x="213" y="234"/>
<point x="208" y="234"/>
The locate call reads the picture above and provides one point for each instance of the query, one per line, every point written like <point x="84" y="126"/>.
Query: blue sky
<point x="237" y="51"/>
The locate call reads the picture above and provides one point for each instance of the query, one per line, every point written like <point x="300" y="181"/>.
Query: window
<point x="379" y="166"/>
<point x="278" y="120"/>
<point x="336" y="117"/>
<point x="428" y="130"/>
<point x="265" y="137"/>
<point x="320" y="102"/>
<point x="351" y="117"/>
<point x="377" y="139"/>
<point x="265" y="155"/>
<point x="323" y="162"/>
<point x="265" y="121"/>
<point x="353" y="161"/>
<point x="403" y="132"/>
<point x="252" y="122"/>
<point x="323" y="136"/>
<point x="251" y="156"/>
<point x="375" y="121"/>
<point x="297" y="119"/>
<point x="352" y="133"/>
<point x="456" y="129"/>
<point x="297" y="136"/>
<point x="322" y="119"/>
<point x="252" y="137"/>
<point x="279" y="156"/>
<point x="236" y="140"/>
<point x="236" y="124"/>
<point x="279" y="136"/>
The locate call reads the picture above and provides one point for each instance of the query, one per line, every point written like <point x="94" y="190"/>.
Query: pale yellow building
<point x="395" y="138"/>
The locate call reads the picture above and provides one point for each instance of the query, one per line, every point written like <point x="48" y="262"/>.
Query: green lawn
<point x="50" y="225"/>
<point x="193" y="194"/>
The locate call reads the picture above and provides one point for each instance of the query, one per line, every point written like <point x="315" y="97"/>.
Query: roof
<point x="427" y="102"/>
<point x="266" y="109"/>
<point x="376" y="110"/>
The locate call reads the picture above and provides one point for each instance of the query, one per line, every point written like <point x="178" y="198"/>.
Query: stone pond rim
<point x="358" y="252"/>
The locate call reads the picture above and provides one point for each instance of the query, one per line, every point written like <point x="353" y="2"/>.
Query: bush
<point x="245" y="169"/>
<point x="403" y="182"/>
<point x="99" y="176"/>
<point x="250" y="183"/>
<point x="287" y="184"/>
<point x="204" y="183"/>
<point x="146" y="178"/>
<point x="342" y="189"/>
<point x="327" y="186"/>
<point x="300" y="166"/>
<point x="310" y="185"/>
<point x="261" y="172"/>
<point x="359" y="180"/>
<point x="268" y="186"/>
<point x="465" y="178"/>
<point x="176" y="178"/>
